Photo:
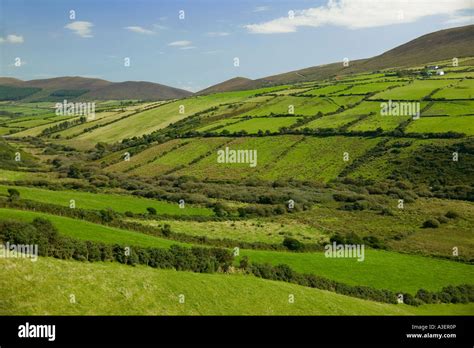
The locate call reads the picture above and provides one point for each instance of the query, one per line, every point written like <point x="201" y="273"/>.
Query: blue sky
<point x="199" y="50"/>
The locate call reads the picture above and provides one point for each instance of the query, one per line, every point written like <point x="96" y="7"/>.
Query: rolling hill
<point x="97" y="89"/>
<point x="440" y="45"/>
<point x="233" y="84"/>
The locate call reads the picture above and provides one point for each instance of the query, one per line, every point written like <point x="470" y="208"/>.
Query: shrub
<point x="411" y="300"/>
<point x="151" y="210"/>
<point x="244" y="263"/>
<point x="451" y="214"/>
<point x="166" y="230"/>
<point x="443" y="219"/>
<point x="293" y="244"/>
<point x="374" y="242"/>
<point x="337" y="238"/>
<point x="431" y="223"/>
<point x="426" y="296"/>
<point x="387" y="211"/>
<point x="13" y="194"/>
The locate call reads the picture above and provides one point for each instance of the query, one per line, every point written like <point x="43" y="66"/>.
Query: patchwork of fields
<point x="329" y="167"/>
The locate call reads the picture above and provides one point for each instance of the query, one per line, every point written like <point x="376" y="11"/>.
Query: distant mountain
<point x="91" y="88"/>
<point x="67" y="82"/>
<point x="440" y="45"/>
<point x="10" y="81"/>
<point x="137" y="90"/>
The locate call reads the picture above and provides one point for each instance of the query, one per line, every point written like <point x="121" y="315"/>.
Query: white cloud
<point x="83" y="29"/>
<point x="180" y="43"/>
<point x="460" y="20"/>
<point x="187" y="47"/>
<point x="12" y="38"/>
<point x="261" y="8"/>
<point x="356" y="14"/>
<point x="217" y="33"/>
<point x="140" y="30"/>
<point x="160" y="27"/>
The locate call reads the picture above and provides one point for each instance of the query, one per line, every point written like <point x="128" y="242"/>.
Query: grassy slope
<point x="381" y="269"/>
<point x="98" y="201"/>
<point x="84" y="230"/>
<point x="44" y="288"/>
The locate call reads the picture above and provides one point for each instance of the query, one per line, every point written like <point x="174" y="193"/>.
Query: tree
<point x="293" y="244"/>
<point x="166" y="230"/>
<point x="431" y="223"/>
<point x="219" y="209"/>
<point x="151" y="210"/>
<point x="13" y="195"/>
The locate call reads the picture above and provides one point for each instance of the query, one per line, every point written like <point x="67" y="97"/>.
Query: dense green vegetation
<point x="16" y="93"/>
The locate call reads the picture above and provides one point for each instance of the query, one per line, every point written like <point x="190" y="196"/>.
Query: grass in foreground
<point x="45" y="288"/>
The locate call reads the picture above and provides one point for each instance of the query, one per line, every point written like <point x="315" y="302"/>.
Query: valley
<point x="229" y="196"/>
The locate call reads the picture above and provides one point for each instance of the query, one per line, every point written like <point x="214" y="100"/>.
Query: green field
<point x="371" y="87"/>
<point x="458" y="124"/>
<point x="332" y="121"/>
<point x="302" y="106"/>
<point x="254" y="125"/>
<point x="380" y="269"/>
<point x="114" y="289"/>
<point x="414" y="91"/>
<point x="269" y="149"/>
<point x="342" y="118"/>
<point x="12" y="175"/>
<point x="179" y="157"/>
<point x="99" y="201"/>
<point x="319" y="159"/>
<point x="374" y="122"/>
<point x="452" y="108"/>
<point x="462" y="90"/>
<point x="332" y="89"/>
<point x="141" y="158"/>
